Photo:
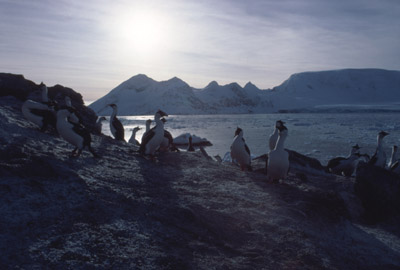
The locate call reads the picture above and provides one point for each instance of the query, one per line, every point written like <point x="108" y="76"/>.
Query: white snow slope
<point x="141" y="95"/>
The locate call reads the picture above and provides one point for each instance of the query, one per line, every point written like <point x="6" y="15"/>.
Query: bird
<point x="68" y="101"/>
<point x="240" y="152"/>
<point x="148" y="123"/>
<point x="394" y="163"/>
<point x="133" y="136"/>
<point x="345" y="165"/>
<point x="74" y="117"/>
<point x="40" y="113"/>
<point x="116" y="127"/>
<point x="44" y="93"/>
<point x="379" y="158"/>
<point x="168" y="141"/>
<point x="99" y="124"/>
<point x="154" y="137"/>
<point x="394" y="156"/>
<point x="395" y="167"/>
<point x="278" y="159"/>
<point x="73" y="133"/>
<point x="190" y="147"/>
<point x="274" y="136"/>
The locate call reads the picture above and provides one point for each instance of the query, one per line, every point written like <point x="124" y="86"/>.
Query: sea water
<point x="318" y="135"/>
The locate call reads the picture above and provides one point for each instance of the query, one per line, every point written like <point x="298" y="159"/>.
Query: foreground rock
<point x="183" y="212"/>
<point x="379" y="191"/>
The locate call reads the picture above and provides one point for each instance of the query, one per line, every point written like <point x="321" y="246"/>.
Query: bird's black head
<point x="279" y="123"/>
<point x="281" y="128"/>
<point x="238" y="130"/>
<point x="161" y="113"/>
<point x="112" y="105"/>
<point x="383" y="133"/>
<point x="356" y="147"/>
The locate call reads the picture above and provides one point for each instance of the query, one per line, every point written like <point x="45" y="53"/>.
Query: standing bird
<point x="68" y="101"/>
<point x="190" y="147"/>
<point x="116" y="127"/>
<point x="395" y="167"/>
<point x="240" y="151"/>
<point x="274" y="136"/>
<point x="394" y="163"/>
<point x="99" y="124"/>
<point x="148" y="123"/>
<point x="345" y="166"/>
<point x="278" y="159"/>
<point x="75" y="117"/>
<point x="133" y="136"/>
<point x="154" y="137"/>
<point x="40" y="113"/>
<point x="379" y="158"/>
<point x="168" y="141"/>
<point x="73" y="133"/>
<point x="394" y="156"/>
<point x="44" y="93"/>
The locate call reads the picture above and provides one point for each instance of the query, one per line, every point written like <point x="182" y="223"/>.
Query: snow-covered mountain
<point x="338" y="87"/>
<point x="143" y="95"/>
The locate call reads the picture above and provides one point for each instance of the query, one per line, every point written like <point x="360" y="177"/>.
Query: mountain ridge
<point x="305" y="90"/>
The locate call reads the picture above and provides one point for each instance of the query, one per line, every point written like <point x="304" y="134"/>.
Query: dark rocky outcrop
<point x="16" y="85"/>
<point x="379" y="191"/>
<point x="23" y="89"/>
<point x="298" y="160"/>
<point x="87" y="115"/>
<point x="304" y="161"/>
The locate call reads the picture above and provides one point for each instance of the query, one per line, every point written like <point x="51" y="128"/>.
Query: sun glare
<point x="142" y="31"/>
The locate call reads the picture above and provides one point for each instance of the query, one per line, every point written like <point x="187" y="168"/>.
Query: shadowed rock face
<point x="23" y="89"/>
<point x="304" y="161"/>
<point x="379" y="191"/>
<point x="298" y="160"/>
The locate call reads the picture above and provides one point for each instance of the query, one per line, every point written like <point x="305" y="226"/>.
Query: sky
<point x="94" y="45"/>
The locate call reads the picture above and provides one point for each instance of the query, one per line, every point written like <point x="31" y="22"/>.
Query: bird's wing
<point x="394" y="165"/>
<point x="146" y="138"/>
<point x="119" y="135"/>
<point x="82" y="131"/>
<point x="247" y="149"/>
<point x="373" y="159"/>
<point x="334" y="162"/>
<point x="168" y="135"/>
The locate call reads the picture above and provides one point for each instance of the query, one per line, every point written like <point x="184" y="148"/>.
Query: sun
<point x="142" y="30"/>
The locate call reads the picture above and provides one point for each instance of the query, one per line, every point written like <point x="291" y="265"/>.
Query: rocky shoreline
<point x="185" y="211"/>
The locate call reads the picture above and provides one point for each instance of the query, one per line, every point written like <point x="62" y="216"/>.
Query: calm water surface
<point x="321" y="136"/>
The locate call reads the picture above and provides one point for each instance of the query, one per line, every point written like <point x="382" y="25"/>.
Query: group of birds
<point x="153" y="139"/>
<point x="277" y="162"/>
<point x="347" y="165"/>
<point x="66" y="120"/>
